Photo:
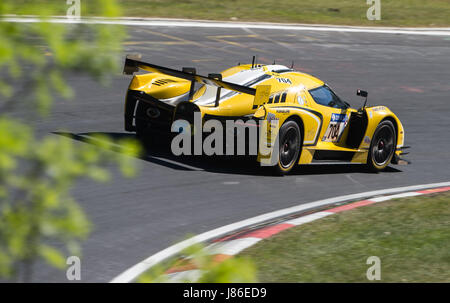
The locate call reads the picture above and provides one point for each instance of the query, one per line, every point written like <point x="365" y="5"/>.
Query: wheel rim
<point x="383" y="146"/>
<point x="288" y="148"/>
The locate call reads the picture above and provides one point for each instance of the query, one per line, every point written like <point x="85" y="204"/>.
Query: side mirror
<point x="362" y="93"/>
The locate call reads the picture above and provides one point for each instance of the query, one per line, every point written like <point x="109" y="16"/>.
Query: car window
<point x="278" y="98"/>
<point x="325" y="96"/>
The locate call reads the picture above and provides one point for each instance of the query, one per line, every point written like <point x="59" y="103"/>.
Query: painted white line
<point x="221" y="24"/>
<point x="232" y="247"/>
<point x="176" y="163"/>
<point x="133" y="272"/>
<point x="403" y="195"/>
<point x="308" y="218"/>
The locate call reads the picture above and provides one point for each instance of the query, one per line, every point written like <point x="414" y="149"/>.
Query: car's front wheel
<point x="382" y="147"/>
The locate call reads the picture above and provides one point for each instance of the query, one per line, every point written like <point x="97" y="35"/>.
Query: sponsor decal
<point x="378" y="108"/>
<point x="367" y="140"/>
<point x="338" y="122"/>
<point x="284" y="80"/>
<point x="283" y="111"/>
<point x="271" y="117"/>
<point x="338" y="118"/>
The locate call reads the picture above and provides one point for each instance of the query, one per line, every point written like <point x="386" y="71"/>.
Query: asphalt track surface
<point x="172" y="198"/>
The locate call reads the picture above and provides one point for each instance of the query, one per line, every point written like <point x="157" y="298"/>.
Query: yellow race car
<point x="313" y="125"/>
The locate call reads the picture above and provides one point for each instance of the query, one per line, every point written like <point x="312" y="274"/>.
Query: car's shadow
<point x="159" y="153"/>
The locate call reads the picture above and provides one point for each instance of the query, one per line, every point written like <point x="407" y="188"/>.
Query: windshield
<point x="325" y="96"/>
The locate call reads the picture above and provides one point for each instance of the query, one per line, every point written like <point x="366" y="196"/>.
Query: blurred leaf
<point x="52" y="256"/>
<point x="232" y="270"/>
<point x="37" y="173"/>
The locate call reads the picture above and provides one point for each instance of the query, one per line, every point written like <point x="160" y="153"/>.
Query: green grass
<point x="410" y="236"/>
<point x="346" y="12"/>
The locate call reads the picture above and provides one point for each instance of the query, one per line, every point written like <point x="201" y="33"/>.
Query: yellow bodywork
<point x="298" y="105"/>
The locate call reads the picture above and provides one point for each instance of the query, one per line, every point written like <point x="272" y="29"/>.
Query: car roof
<point x="241" y="74"/>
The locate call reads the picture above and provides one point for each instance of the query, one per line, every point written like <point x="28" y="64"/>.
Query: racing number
<point x="334" y="131"/>
<point x="335" y="128"/>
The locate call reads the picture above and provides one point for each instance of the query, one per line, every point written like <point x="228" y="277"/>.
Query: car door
<point x="334" y="111"/>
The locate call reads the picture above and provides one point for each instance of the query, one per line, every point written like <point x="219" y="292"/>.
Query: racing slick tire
<point x="382" y="147"/>
<point x="290" y="141"/>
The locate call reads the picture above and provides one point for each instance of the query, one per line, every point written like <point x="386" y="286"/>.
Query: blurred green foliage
<point x="37" y="210"/>
<point x="232" y="270"/>
<point x="50" y="50"/>
<point x="39" y="217"/>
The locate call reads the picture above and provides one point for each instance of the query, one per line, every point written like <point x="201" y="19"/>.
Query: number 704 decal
<point x="338" y="122"/>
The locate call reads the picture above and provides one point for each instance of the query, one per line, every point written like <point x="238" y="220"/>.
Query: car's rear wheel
<point x="290" y="141"/>
<point x="382" y="147"/>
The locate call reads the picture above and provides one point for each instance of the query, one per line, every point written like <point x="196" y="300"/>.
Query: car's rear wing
<point x="261" y="92"/>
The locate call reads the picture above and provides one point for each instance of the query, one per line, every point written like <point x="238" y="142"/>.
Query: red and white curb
<point x="230" y="240"/>
<point x="226" y="248"/>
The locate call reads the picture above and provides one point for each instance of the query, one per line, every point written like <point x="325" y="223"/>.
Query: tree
<point x="36" y="174"/>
